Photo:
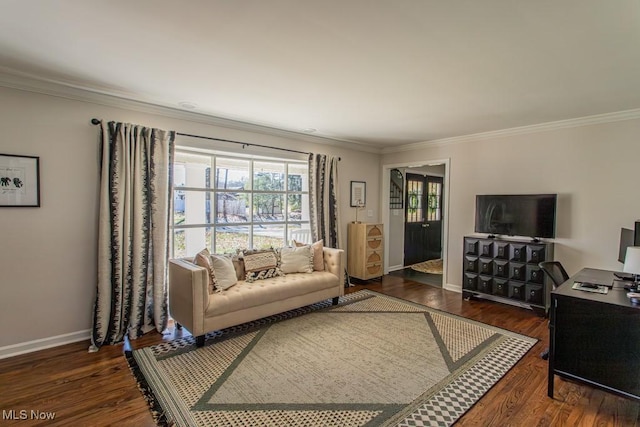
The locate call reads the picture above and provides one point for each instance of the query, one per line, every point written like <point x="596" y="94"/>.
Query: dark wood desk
<point x="595" y="338"/>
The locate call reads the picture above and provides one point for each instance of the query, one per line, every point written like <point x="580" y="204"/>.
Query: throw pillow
<point x="203" y="259"/>
<point x="261" y="264"/>
<point x="225" y="272"/>
<point x="318" y="256"/>
<point x="296" y="260"/>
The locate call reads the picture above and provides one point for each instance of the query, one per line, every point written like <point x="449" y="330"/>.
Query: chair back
<point x="555" y="271"/>
<point x="301" y="235"/>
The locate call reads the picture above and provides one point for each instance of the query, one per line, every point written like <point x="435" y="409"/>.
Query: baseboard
<point x="43" y="343"/>
<point x="395" y="268"/>
<point x="454" y="288"/>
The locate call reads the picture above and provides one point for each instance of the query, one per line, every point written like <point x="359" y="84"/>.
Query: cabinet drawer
<point x="517" y="271"/>
<point x="534" y="294"/>
<point x="502" y="250"/>
<point x="501" y="268"/>
<point x="535" y="254"/>
<point x="485" y="266"/>
<point x="471" y="264"/>
<point x="470" y="281"/>
<point x="535" y="274"/>
<point x="518" y="252"/>
<point x="374" y="270"/>
<point x="485" y="284"/>
<point x="374" y="257"/>
<point x="471" y="246"/>
<point x="374" y="243"/>
<point x="500" y="287"/>
<point x="486" y="248"/>
<point x="516" y="291"/>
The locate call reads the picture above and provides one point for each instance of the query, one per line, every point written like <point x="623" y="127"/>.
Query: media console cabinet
<point x="506" y="270"/>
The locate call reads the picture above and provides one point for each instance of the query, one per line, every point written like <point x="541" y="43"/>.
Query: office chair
<point x="558" y="276"/>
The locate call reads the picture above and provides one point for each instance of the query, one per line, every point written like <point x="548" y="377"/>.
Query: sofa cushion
<point x="224" y="271"/>
<point x="261" y="264"/>
<point x="203" y="259"/>
<point x="251" y="294"/>
<point x="318" y="256"/>
<point x="296" y="260"/>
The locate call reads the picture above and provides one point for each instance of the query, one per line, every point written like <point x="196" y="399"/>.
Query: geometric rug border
<point x="442" y="406"/>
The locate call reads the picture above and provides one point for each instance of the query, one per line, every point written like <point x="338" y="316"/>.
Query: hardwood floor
<point x="96" y="389"/>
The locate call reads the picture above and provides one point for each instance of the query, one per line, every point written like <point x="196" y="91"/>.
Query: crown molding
<point x="33" y="83"/>
<point x="522" y="130"/>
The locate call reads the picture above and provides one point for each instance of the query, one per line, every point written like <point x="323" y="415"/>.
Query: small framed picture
<point x="19" y="181"/>
<point x="358" y="193"/>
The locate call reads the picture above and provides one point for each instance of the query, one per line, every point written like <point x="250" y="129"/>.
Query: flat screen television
<point x="529" y="215"/>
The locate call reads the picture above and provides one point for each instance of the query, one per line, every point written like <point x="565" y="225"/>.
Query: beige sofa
<point x="192" y="306"/>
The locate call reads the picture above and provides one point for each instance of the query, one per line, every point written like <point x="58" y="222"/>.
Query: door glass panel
<point x="434" y="199"/>
<point x="415" y="190"/>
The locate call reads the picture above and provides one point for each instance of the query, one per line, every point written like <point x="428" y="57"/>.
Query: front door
<point x="423" y="218"/>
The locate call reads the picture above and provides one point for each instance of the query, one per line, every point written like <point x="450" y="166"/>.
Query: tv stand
<point x="506" y="270"/>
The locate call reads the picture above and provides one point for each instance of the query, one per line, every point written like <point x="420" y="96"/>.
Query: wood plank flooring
<point x="96" y="389"/>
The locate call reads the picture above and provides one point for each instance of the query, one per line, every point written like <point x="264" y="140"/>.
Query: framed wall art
<point x="19" y="181"/>
<point x="358" y="193"/>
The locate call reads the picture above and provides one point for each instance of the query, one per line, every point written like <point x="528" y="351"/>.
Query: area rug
<point x="371" y="360"/>
<point x="433" y="266"/>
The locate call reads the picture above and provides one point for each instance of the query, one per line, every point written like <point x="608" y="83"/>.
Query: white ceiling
<point x="377" y="72"/>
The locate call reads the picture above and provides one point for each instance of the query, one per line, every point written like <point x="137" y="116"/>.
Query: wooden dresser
<point x="365" y="250"/>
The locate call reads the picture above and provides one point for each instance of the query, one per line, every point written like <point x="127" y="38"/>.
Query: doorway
<point x="423" y="219"/>
<point x="394" y="216"/>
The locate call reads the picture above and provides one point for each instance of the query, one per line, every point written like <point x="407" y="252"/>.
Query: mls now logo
<point x="27" y="415"/>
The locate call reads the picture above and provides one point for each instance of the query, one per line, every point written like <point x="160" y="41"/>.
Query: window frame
<point x="251" y="221"/>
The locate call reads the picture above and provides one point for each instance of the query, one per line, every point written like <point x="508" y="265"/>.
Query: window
<point x="226" y="203"/>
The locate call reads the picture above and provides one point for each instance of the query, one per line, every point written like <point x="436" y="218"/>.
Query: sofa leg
<point x="335" y="300"/>
<point x="200" y="341"/>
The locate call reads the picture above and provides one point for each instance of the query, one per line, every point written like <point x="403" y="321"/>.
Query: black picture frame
<point x="358" y="194"/>
<point x="19" y="181"/>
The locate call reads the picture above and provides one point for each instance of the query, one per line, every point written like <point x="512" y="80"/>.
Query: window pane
<point x="268" y="176"/>
<point x="232" y="174"/>
<point x="298" y="177"/>
<point x="189" y="241"/>
<point x="232" y="207"/>
<point x="268" y="236"/>
<point x="298" y="207"/>
<point x="268" y="207"/>
<point x="191" y="207"/>
<point x="230" y="239"/>
<point x="191" y="170"/>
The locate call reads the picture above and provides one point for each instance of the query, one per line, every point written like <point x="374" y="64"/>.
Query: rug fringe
<point x="158" y="414"/>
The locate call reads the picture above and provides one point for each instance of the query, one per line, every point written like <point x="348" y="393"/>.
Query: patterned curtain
<point x="323" y="189"/>
<point x="133" y="236"/>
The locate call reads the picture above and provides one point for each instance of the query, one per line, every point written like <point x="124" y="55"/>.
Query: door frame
<point x="386" y="174"/>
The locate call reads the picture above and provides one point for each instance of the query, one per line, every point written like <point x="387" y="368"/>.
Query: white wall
<point x="48" y="254"/>
<point x="593" y="168"/>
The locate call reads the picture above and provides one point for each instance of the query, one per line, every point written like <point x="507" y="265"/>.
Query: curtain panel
<point x="133" y="236"/>
<point x="323" y="195"/>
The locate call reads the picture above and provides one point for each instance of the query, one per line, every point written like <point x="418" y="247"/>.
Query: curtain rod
<point x="244" y="144"/>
